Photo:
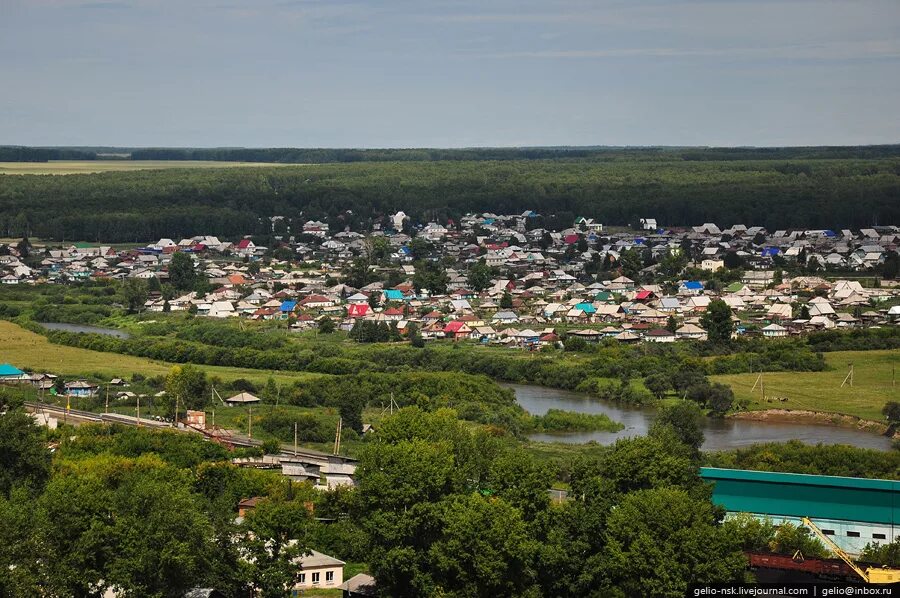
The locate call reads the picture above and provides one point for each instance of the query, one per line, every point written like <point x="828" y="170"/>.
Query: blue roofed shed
<point x="11" y="372"/>
<point x="587" y="308"/>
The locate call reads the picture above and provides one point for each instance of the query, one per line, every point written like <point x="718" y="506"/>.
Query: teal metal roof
<point x="799" y="495"/>
<point x="713" y="473"/>
<point x="9" y="370"/>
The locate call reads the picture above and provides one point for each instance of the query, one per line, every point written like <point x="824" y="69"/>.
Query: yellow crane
<point x="870" y="575"/>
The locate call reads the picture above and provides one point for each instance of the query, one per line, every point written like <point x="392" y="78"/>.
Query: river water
<point x="84" y="328"/>
<point x="720" y="434"/>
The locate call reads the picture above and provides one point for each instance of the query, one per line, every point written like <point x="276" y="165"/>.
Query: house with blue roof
<point x="587" y="308"/>
<point x="10" y="373"/>
<point x="392" y="295"/>
<point x="287" y="308"/>
<point x="770" y="251"/>
<point x="690" y="287"/>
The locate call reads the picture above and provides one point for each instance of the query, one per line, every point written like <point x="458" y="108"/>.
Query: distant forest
<point x="288" y="155"/>
<point x="672" y="186"/>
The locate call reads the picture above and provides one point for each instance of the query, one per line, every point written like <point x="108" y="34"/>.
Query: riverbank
<point x="805" y="416"/>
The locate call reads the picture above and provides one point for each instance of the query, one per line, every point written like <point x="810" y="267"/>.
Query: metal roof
<point x="10" y="370"/>
<point x="799" y="495"/>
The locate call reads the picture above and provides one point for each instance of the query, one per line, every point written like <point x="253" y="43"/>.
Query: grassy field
<point x="92" y="166"/>
<point x="27" y="350"/>
<point x="821" y="391"/>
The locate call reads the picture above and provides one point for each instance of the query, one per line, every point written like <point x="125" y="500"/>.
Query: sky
<point x="445" y="73"/>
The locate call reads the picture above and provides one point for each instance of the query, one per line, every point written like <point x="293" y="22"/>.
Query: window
<point x="878" y="536"/>
<point x="828" y="532"/>
<point x="852" y="534"/>
<point x="329" y="577"/>
<point x="315" y="578"/>
<point x="303" y="578"/>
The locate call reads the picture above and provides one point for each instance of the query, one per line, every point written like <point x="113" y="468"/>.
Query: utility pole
<point x="107" y="398"/>
<point x="250" y="423"/>
<point x="849" y="377"/>
<point x="139" y="410"/>
<point x="295" y="439"/>
<point x="337" y="437"/>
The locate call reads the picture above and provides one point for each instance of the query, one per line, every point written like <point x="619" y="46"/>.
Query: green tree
<point x="419" y="248"/>
<point x="484" y="549"/>
<point x="517" y="478"/>
<point x="431" y="276"/>
<point x="717" y="321"/>
<point x="631" y="263"/>
<point x="135" y="294"/>
<point x="275" y="535"/>
<point x="658" y="384"/>
<point x="189" y="385"/>
<point x="685" y="419"/>
<point x="891" y="266"/>
<point x="182" y="274"/>
<point x="358" y="274"/>
<point x="671" y="324"/>
<point x="24" y="457"/>
<point x="351" y="410"/>
<point x="648" y="462"/>
<point x="414" y="336"/>
<point x="110" y="522"/>
<point x="326" y="325"/>
<point x="506" y="301"/>
<point x="886" y="555"/>
<point x="24" y="247"/>
<point x="480" y="275"/>
<point x="660" y="540"/>
<point x="891" y="412"/>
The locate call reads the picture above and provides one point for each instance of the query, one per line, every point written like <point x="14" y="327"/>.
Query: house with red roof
<point x="245" y="247"/>
<point x="358" y="310"/>
<point x="457" y="330"/>
<point x="644" y="295"/>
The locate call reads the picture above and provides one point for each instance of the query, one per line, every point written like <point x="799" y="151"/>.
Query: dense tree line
<point x="147" y="205"/>
<point x="147" y="513"/>
<point x="17" y="153"/>
<point x="796" y="457"/>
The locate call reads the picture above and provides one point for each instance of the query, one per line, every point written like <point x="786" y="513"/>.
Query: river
<point x="84" y="328"/>
<point x="720" y="434"/>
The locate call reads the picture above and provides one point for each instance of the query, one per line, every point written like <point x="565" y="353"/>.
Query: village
<point x="540" y="283"/>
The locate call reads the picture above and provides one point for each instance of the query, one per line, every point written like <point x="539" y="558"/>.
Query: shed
<point x="244" y="398"/>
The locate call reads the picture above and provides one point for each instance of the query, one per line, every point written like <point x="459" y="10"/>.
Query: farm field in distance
<point x="821" y="391"/>
<point x="95" y="166"/>
<point x="29" y="350"/>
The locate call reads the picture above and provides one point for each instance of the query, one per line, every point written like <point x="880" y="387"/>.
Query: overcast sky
<point x="446" y="73"/>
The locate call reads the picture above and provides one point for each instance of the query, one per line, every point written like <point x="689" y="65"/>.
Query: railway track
<point x="81" y="416"/>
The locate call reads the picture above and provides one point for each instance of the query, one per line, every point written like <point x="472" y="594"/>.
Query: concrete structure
<point x="851" y="511"/>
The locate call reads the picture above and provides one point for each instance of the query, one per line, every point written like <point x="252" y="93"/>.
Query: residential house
<point x="317" y="570"/>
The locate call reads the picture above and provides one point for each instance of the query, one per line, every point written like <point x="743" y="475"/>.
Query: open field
<point x="92" y="166"/>
<point x="821" y="391"/>
<point x="27" y="350"/>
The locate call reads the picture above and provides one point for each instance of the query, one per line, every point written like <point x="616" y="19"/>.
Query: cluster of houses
<point x="508" y="241"/>
<point x="544" y="283"/>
